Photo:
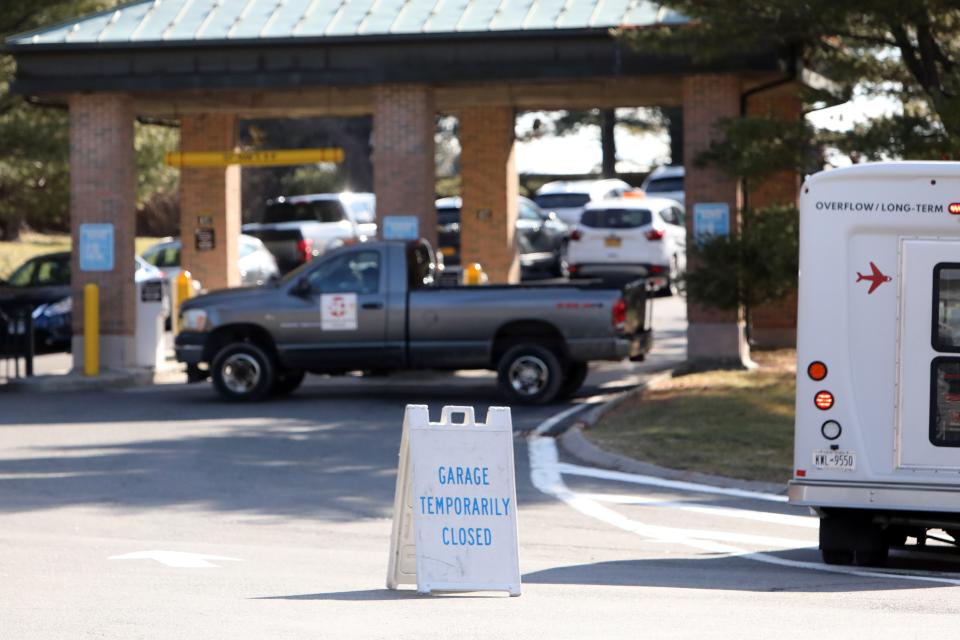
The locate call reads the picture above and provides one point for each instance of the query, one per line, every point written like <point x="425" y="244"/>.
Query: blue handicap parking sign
<point x="96" y="247"/>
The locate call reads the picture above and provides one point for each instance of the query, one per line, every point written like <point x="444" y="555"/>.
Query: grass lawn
<point x="737" y="424"/>
<point x="13" y="254"/>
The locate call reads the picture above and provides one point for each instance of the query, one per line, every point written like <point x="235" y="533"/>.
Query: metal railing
<point x="16" y="341"/>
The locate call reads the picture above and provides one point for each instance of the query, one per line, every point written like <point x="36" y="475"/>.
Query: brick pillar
<point x="210" y="198"/>
<point x="404" y="168"/>
<point x="103" y="187"/>
<point x="490" y="189"/>
<point x="713" y="337"/>
<point x="775" y="325"/>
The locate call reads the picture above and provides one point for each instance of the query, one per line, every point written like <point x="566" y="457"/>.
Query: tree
<point x="903" y="52"/>
<point x="35" y="140"/>
<point x="908" y="52"/>
<point x="642" y="120"/>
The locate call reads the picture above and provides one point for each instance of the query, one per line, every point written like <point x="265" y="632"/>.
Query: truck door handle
<point x="372" y="305"/>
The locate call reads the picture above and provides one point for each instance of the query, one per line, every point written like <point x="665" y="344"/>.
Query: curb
<point x="108" y="379"/>
<point x="575" y="443"/>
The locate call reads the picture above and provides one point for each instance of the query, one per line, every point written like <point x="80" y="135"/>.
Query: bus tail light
<point x="823" y="400"/>
<point x="954" y="208"/>
<point x="817" y="370"/>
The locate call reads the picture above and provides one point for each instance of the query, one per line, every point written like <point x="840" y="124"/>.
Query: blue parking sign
<point x="401" y="228"/>
<point x="710" y="219"/>
<point x="96" y="247"/>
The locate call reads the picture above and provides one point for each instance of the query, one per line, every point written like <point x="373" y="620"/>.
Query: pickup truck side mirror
<point x="301" y="288"/>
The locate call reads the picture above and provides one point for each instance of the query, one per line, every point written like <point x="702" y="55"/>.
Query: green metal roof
<point x="200" y="21"/>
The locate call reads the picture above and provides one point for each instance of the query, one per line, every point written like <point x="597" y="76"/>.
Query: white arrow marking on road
<point x="179" y="559"/>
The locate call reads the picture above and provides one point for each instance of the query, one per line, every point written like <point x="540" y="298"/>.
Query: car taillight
<point x="572" y="268"/>
<point x="655" y="234"/>
<point x="575" y="234"/>
<point x="619" y="315"/>
<point x="305" y="248"/>
<point x="656" y="269"/>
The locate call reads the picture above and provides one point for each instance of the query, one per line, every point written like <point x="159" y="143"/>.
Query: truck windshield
<point x="550" y="201"/>
<point x="315" y="211"/>
<point x="660" y="185"/>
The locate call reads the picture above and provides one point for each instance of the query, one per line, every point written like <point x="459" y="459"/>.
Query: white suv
<point x="567" y="198"/>
<point x="629" y="237"/>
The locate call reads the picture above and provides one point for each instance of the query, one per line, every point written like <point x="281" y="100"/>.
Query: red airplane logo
<point x="875" y="279"/>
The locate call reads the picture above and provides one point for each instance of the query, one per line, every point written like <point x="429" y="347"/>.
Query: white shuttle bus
<point x="877" y="445"/>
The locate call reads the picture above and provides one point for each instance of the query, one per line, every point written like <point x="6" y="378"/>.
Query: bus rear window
<point x="615" y="218"/>
<point x="946" y="295"/>
<point x="945" y="409"/>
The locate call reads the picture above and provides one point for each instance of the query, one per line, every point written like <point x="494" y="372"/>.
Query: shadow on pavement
<point x="329" y="451"/>
<point x="738" y="574"/>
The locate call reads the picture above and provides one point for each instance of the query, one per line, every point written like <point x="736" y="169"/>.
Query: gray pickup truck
<point x="376" y="307"/>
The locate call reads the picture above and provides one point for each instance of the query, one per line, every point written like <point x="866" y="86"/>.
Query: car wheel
<point x="530" y="374"/>
<point x="243" y="372"/>
<point x="576" y="374"/>
<point x="287" y="381"/>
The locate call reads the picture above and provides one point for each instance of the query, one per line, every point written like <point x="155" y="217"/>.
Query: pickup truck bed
<point x="374" y="306"/>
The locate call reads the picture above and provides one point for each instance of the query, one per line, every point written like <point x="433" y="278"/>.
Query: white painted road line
<point x="178" y="559"/>
<point x="808" y="522"/>
<point x="676" y="485"/>
<point x="545" y="474"/>
<point x="554" y="420"/>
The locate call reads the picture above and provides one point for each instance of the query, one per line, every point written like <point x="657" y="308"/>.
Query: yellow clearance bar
<point x="270" y="158"/>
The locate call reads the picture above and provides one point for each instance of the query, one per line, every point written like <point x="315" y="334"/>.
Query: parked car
<point x="377" y="306"/>
<point x="43" y="283"/>
<point x="568" y="198"/>
<point x="540" y="236"/>
<point x="629" y="237"/>
<point x="362" y="208"/>
<point x="300" y="228"/>
<point x="665" y="182"/>
<point x="256" y="264"/>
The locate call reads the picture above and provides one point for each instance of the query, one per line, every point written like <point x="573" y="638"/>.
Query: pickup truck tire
<point x="530" y="374"/>
<point x="576" y="374"/>
<point x="287" y="381"/>
<point x="243" y="372"/>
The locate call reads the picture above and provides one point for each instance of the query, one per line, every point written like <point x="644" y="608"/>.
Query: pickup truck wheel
<point x="243" y="372"/>
<point x="530" y="374"/>
<point x="576" y="374"/>
<point x="287" y="381"/>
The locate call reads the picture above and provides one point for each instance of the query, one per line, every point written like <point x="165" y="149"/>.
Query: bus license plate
<point x="835" y="460"/>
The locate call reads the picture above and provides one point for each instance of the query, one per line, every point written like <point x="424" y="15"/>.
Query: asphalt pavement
<point x="163" y="513"/>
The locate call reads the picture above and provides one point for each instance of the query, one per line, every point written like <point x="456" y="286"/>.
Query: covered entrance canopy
<point x="208" y="63"/>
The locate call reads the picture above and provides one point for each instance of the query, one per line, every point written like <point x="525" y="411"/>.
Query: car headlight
<point x="55" y="309"/>
<point x="193" y="320"/>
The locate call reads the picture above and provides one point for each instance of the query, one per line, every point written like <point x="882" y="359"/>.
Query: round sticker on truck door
<point x="338" y="312"/>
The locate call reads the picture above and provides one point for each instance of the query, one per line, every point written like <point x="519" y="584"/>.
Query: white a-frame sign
<point x="455" y="508"/>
